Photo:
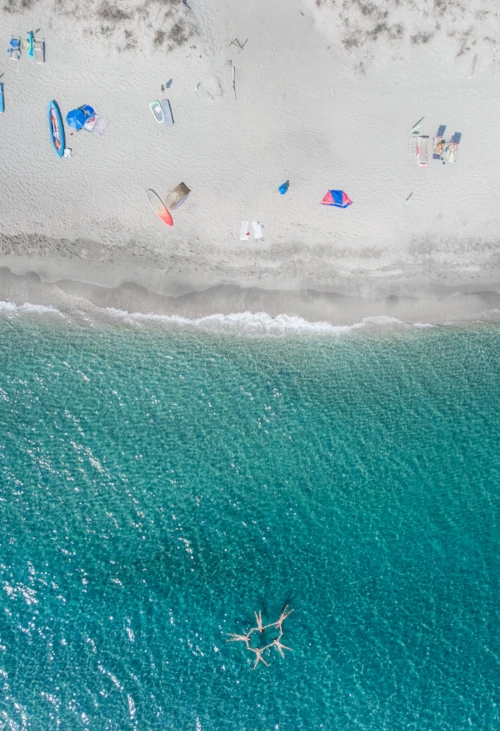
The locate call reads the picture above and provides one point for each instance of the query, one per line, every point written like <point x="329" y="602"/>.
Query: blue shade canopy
<point x="284" y="187"/>
<point x="88" y="111"/>
<point x="75" y="119"/>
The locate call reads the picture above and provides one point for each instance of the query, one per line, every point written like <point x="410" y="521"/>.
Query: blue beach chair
<point x="14" y="49"/>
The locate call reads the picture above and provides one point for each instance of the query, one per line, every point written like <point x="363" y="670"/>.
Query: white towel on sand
<point x="257" y="229"/>
<point x="244" y="231"/>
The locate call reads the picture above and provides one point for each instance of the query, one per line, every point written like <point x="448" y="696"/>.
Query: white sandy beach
<point x="325" y="97"/>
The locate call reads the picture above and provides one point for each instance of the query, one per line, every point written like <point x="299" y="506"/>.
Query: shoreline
<point x="249" y="308"/>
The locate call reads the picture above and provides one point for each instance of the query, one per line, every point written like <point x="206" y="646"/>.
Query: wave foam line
<point x="257" y="323"/>
<point x="27" y="307"/>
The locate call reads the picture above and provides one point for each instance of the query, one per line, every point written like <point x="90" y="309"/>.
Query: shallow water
<point x="159" y="485"/>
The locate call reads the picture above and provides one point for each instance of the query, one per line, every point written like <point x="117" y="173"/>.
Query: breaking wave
<point x="27" y="307"/>
<point x="259" y="323"/>
<point x="249" y="323"/>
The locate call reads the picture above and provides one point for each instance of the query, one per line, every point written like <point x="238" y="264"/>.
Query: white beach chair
<point x="257" y="229"/>
<point x="412" y="145"/>
<point x="101" y="125"/>
<point x="422" y="152"/>
<point x="244" y="231"/>
<point x="39" y="51"/>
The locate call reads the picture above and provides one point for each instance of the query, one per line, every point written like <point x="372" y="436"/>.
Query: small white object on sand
<point x="68" y="152"/>
<point x="197" y="86"/>
<point x="473" y="66"/>
<point x="257" y="229"/>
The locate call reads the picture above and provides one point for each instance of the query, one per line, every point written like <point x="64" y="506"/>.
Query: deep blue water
<point x="159" y="485"/>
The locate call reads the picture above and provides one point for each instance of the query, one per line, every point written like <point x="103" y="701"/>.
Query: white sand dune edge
<point x="311" y="106"/>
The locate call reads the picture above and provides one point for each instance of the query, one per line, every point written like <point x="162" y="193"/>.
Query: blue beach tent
<point x="284" y="187"/>
<point x="75" y="119"/>
<point x="336" y="198"/>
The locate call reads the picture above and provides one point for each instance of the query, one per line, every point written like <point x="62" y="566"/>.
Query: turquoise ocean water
<point x="160" y="483"/>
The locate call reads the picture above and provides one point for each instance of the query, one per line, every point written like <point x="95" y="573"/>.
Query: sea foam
<point x="27" y="307"/>
<point x="249" y="323"/>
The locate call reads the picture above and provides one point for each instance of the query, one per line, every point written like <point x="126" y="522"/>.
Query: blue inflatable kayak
<point x="56" y="128"/>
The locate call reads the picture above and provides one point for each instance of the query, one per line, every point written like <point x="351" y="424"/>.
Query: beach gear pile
<point x="445" y="150"/>
<point x="174" y="199"/>
<point x="442" y="149"/>
<point x="162" y="111"/>
<point x="85" y="117"/>
<point x="257" y="228"/>
<point x="82" y="118"/>
<point x="34" y="47"/>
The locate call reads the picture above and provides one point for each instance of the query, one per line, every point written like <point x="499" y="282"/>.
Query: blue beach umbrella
<point x="75" y="119"/>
